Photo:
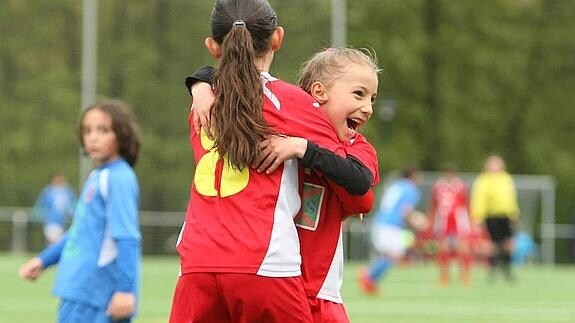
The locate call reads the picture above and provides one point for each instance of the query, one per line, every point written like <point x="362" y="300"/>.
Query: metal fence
<point x="19" y="234"/>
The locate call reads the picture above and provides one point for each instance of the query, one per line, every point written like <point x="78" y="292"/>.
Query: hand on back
<point x="203" y="99"/>
<point x="277" y="149"/>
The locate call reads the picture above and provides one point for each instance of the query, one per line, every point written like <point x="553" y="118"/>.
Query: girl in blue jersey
<point x="55" y="205"/>
<point x="396" y="213"/>
<point x="99" y="257"/>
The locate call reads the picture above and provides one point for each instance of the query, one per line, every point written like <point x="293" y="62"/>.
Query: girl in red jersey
<point x="238" y="246"/>
<point x="449" y="215"/>
<point x="344" y="82"/>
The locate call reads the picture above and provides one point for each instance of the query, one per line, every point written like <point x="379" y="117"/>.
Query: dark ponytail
<point x="243" y="28"/>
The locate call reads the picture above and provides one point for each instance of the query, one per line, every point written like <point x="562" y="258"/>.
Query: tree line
<point x="459" y="80"/>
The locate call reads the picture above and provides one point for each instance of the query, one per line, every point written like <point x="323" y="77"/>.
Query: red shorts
<point x="325" y="311"/>
<point x="451" y="228"/>
<point x="226" y="297"/>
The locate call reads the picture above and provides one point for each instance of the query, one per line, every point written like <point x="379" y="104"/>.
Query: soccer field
<point x="410" y="294"/>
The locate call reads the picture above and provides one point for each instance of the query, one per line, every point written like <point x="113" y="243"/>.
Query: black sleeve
<point x="348" y="173"/>
<point x="203" y="74"/>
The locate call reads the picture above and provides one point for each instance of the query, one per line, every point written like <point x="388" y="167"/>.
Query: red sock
<point x="443" y="259"/>
<point x="465" y="261"/>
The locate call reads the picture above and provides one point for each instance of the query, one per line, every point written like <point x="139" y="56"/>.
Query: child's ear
<point x="213" y="47"/>
<point x="319" y="92"/>
<point x="277" y="38"/>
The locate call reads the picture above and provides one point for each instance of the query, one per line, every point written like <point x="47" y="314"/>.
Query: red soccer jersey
<point x="325" y="205"/>
<point x="449" y="208"/>
<point x="242" y="221"/>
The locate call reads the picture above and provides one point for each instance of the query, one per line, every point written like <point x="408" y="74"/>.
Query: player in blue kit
<point x="54" y="206"/>
<point x="99" y="257"/>
<point x="396" y="212"/>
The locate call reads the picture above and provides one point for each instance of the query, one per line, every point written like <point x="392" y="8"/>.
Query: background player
<point x="55" y="206"/>
<point x="397" y="208"/>
<point x="451" y="224"/>
<point x="494" y="205"/>
<point x="98" y="258"/>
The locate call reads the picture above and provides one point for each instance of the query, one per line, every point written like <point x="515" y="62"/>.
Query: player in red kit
<point x="451" y="225"/>
<point x="344" y="83"/>
<point x="239" y="249"/>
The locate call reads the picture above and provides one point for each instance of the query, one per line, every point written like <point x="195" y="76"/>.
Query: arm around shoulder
<point x="348" y="172"/>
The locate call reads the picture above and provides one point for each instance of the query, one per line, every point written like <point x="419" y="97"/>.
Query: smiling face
<point x="98" y="138"/>
<point x="347" y="101"/>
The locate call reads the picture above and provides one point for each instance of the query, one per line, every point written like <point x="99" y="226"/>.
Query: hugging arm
<point x="198" y="85"/>
<point x="203" y="74"/>
<point x="354" y="204"/>
<point x="347" y="172"/>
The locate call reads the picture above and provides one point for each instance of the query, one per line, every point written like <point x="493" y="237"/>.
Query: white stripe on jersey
<point x="281" y="252"/>
<point x="177" y="243"/>
<point x="103" y="179"/>
<point x="266" y="77"/>
<point x="108" y="250"/>
<point x="331" y="287"/>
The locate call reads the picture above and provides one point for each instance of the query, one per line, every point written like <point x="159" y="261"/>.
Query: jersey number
<point x="232" y="180"/>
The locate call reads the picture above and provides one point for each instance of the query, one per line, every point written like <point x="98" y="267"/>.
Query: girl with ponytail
<point x="239" y="250"/>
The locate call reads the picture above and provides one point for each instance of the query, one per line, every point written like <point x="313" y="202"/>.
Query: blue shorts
<point x="74" y="312"/>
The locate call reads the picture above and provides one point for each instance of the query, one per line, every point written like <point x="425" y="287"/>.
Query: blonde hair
<point x="327" y="65"/>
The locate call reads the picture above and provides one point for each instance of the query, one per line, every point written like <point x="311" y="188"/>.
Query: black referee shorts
<point x="499" y="228"/>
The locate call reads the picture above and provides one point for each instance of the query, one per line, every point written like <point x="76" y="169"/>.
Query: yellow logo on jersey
<point x="232" y="180"/>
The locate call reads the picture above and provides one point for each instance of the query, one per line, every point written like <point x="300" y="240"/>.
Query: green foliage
<point x="468" y="78"/>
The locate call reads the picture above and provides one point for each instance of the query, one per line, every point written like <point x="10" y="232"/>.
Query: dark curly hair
<point x="123" y="124"/>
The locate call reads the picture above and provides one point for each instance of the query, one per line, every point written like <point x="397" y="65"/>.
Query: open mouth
<point x="353" y="123"/>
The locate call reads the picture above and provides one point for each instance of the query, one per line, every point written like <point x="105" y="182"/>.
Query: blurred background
<point x="459" y="80"/>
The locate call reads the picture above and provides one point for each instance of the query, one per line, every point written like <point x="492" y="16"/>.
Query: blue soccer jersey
<point x="56" y="202"/>
<point x="400" y="196"/>
<point x="95" y="261"/>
